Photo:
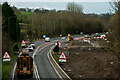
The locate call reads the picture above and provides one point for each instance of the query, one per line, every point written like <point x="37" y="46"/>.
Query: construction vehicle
<point x="25" y="51"/>
<point x="24" y="66"/>
<point x="70" y="38"/>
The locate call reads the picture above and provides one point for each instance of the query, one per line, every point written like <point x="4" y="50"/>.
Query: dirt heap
<point x="91" y="62"/>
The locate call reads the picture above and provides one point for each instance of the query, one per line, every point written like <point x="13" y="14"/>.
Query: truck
<point x="24" y="66"/>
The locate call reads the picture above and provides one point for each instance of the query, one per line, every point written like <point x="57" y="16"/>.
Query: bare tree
<point x="73" y="7"/>
<point x="114" y="5"/>
<point x="114" y="25"/>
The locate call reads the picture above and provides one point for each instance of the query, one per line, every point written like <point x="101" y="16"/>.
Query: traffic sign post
<point x="44" y="36"/>
<point x="59" y="43"/>
<point x="23" y="43"/>
<point x="6" y="57"/>
<point x="62" y="57"/>
<point x="62" y="60"/>
<point x="60" y="35"/>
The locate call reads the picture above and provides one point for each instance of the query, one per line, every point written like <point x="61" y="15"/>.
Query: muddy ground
<point x="90" y="62"/>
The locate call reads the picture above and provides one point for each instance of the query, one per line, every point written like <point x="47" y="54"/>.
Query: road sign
<point x="85" y="39"/>
<point x="62" y="60"/>
<point x="60" y="35"/>
<point x="6" y="57"/>
<point x="23" y="43"/>
<point x="62" y="56"/>
<point x="26" y="42"/>
<point x="59" y="43"/>
<point x="44" y="36"/>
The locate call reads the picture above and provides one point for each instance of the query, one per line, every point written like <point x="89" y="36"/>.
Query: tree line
<point x="72" y="20"/>
<point x="10" y="27"/>
<point x="10" y="24"/>
<point x="114" y="26"/>
<point x="53" y="23"/>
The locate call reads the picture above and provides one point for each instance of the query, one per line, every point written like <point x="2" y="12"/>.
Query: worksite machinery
<point x="24" y="66"/>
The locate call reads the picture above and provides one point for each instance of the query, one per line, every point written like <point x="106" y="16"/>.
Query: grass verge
<point x="6" y="66"/>
<point x="56" y="56"/>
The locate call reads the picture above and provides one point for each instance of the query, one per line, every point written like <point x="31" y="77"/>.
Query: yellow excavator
<point x="70" y="38"/>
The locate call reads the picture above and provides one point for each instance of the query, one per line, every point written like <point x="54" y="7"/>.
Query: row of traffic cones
<point x="35" y="39"/>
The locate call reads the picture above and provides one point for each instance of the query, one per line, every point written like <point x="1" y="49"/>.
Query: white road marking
<point x="52" y="63"/>
<point x="49" y="53"/>
<point x="44" y="47"/>
<point x="15" y="68"/>
<point x="37" y="74"/>
<point x="36" y="71"/>
<point x="36" y="51"/>
<point x="33" y="65"/>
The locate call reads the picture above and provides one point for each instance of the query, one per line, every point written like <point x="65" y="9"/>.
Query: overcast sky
<point x="56" y="0"/>
<point x="88" y="7"/>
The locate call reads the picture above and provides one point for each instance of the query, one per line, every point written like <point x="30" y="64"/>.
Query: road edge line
<point x="52" y="64"/>
<point x="37" y="74"/>
<point x="49" y="53"/>
<point x="16" y="62"/>
<point x="36" y="70"/>
<point x="14" y="68"/>
<point x="36" y="50"/>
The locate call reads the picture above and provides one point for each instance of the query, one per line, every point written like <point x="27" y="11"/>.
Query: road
<point x="44" y="68"/>
<point x="38" y="43"/>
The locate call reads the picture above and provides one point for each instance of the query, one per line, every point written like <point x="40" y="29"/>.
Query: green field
<point x="23" y="24"/>
<point x="26" y="13"/>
